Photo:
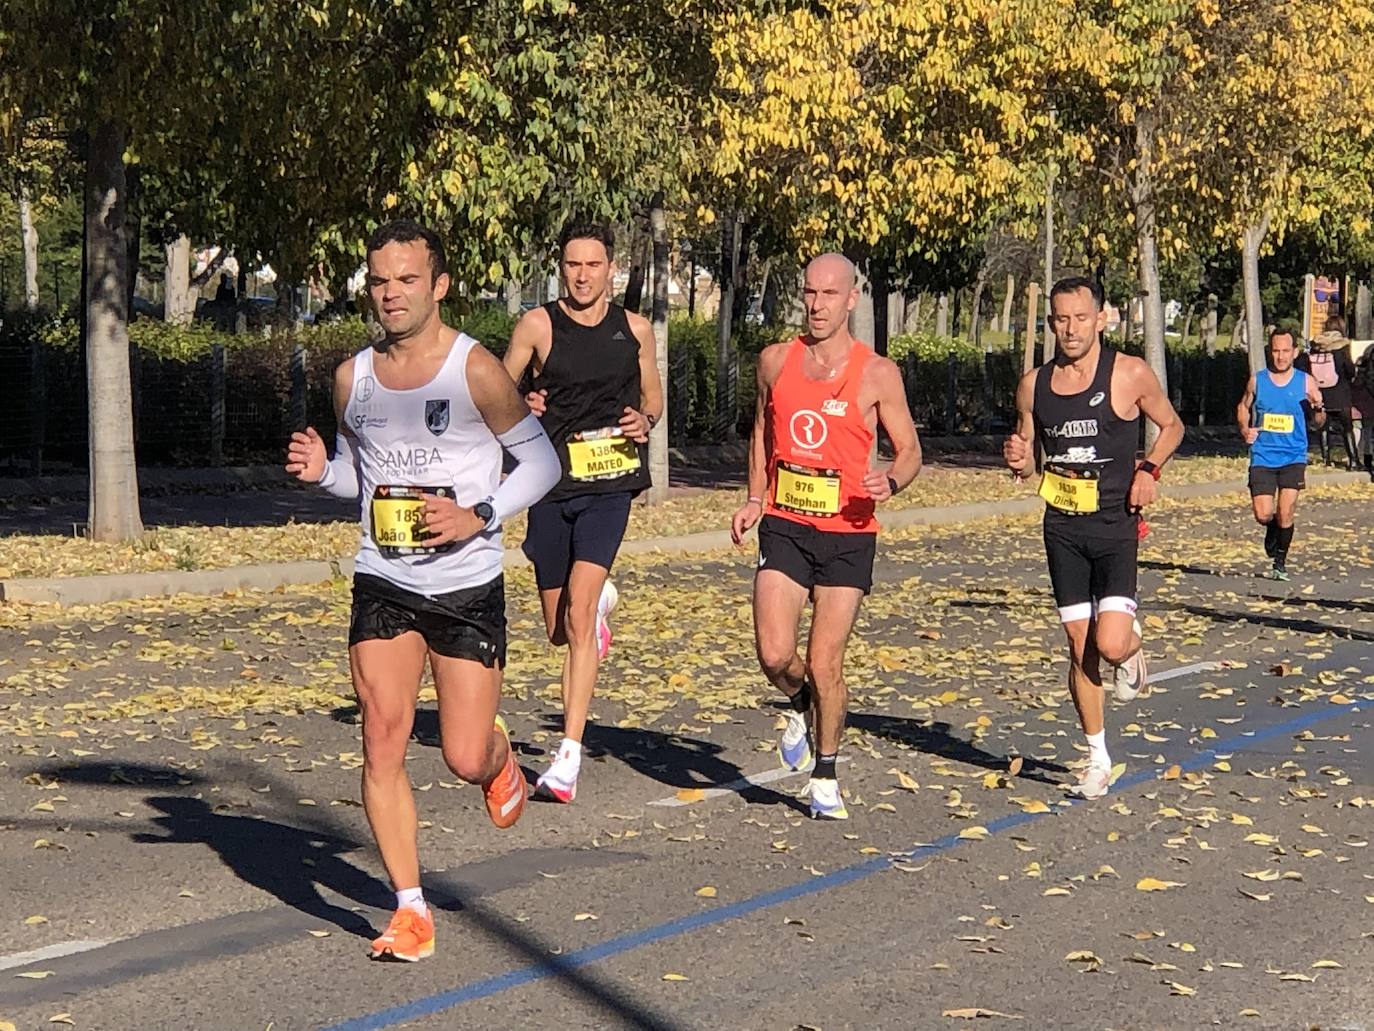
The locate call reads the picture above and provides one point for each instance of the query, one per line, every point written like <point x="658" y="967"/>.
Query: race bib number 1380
<point x="602" y="455"/>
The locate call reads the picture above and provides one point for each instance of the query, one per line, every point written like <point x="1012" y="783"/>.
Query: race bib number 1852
<point x="398" y="519"/>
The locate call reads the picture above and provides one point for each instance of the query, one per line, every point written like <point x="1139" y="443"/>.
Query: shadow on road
<point x="292" y="862"/>
<point x="937" y="738"/>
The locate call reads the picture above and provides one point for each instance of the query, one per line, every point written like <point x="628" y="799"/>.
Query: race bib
<point x="398" y="519"/>
<point x="1275" y="422"/>
<point x="1075" y="495"/>
<point x="602" y="455"/>
<point x="806" y="491"/>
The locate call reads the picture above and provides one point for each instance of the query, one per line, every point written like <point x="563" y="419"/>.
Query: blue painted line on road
<point x="554" y="965"/>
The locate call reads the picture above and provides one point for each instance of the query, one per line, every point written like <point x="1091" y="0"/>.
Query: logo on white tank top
<point x="436" y="416"/>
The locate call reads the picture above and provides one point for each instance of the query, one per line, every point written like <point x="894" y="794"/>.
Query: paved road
<point x="180" y="783"/>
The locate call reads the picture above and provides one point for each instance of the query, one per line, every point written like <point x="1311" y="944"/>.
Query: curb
<point x="95" y="590"/>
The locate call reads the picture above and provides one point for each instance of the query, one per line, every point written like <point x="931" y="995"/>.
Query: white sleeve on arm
<point x="537" y="469"/>
<point x="341" y="475"/>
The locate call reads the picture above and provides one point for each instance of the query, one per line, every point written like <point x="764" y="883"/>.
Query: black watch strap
<point x="892" y="485"/>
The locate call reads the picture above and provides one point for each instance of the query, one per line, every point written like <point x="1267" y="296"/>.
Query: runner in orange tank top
<point x="812" y="493"/>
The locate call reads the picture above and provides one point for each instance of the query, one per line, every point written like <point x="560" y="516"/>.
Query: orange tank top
<point x="819" y="445"/>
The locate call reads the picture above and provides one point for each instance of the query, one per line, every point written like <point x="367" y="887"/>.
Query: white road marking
<point x="23" y="959"/>
<point x="782" y="773"/>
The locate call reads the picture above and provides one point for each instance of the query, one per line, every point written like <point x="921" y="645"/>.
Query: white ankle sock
<point x="1097" y="749"/>
<point x="572" y="749"/>
<point x="412" y="898"/>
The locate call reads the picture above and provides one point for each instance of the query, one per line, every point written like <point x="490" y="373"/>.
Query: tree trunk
<point x="29" y="234"/>
<point x="1152" y="303"/>
<point x="178" y="303"/>
<point x="1187" y="326"/>
<point x="725" y="395"/>
<point x="634" y="286"/>
<point x="658" y="439"/>
<point x="861" y="319"/>
<point x="913" y="315"/>
<point x="975" y="329"/>
<point x="1047" y="343"/>
<point x="896" y="311"/>
<point x="1209" y="326"/>
<point x="113" y="513"/>
<point x="877" y="299"/>
<point x="1254" y="307"/>
<point x="513" y="294"/>
<point x="1362" y="320"/>
<point x="942" y="316"/>
<point x="1007" y="303"/>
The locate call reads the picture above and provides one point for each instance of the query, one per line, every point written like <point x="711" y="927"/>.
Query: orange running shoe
<point x="409" y="937"/>
<point x="505" y="792"/>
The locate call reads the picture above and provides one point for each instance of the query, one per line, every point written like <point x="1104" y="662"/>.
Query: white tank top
<point x="432" y="436"/>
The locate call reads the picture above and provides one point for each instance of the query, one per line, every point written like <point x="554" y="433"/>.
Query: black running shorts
<point x="582" y="529"/>
<point x="1090" y="574"/>
<point x="467" y="624"/>
<point x="817" y="558"/>
<point x="1268" y="479"/>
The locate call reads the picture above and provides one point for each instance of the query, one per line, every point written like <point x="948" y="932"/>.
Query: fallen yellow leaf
<point x="35" y="975"/>
<point x="674" y="977"/>
<point x="690" y="795"/>
<point x="1327" y="964"/>
<point x="319" y="934"/>
<point x="975" y="833"/>
<point x="1014" y="767"/>
<point x="974" y="1012"/>
<point x="1155" y="884"/>
<point x="707" y="892"/>
<point x="34" y="921"/>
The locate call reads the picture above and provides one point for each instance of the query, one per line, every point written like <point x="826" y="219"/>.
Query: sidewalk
<point x="93" y="590"/>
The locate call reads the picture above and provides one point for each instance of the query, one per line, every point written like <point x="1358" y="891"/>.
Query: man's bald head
<point x="829" y="292"/>
<point x="834" y="264"/>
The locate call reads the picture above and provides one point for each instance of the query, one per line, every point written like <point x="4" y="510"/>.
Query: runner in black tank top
<point x="597" y="392"/>
<point x="1093" y="490"/>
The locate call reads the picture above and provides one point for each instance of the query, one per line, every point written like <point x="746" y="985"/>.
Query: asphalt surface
<point x="179" y="785"/>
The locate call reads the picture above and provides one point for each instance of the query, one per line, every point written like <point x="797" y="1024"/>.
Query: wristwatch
<point x="892" y="485"/>
<point x="1151" y="468"/>
<point x="483" y="511"/>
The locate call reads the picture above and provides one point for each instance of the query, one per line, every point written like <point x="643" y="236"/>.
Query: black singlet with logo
<point x="592" y="375"/>
<point x="1092" y="449"/>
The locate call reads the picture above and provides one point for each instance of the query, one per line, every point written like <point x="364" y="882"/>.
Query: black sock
<point x="1271" y="536"/>
<point x="825" y="767"/>
<point x="1282" y="541"/>
<point x="801" y="701"/>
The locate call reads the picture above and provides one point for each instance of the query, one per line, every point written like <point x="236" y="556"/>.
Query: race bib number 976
<point x="807" y="491"/>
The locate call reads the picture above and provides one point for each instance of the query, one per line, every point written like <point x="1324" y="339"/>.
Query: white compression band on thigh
<point x="341" y="475"/>
<point x="537" y="469"/>
<point x="1117" y="603"/>
<point x="1081" y="612"/>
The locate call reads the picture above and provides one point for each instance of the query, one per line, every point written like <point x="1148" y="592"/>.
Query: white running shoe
<point x="605" y="605"/>
<point x="794" y="744"/>
<point x="559" y="781"/>
<point x="1129" y="679"/>
<point x="826" y="801"/>
<point x="1093" y="782"/>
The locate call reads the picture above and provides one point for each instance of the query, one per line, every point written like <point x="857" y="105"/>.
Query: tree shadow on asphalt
<point x="290" y="861"/>
<point x="1306" y="626"/>
<point x="669" y="759"/>
<point x="937" y="738"/>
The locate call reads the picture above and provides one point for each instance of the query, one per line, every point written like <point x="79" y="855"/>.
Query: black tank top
<point x="592" y="375"/>
<point x="1089" y="455"/>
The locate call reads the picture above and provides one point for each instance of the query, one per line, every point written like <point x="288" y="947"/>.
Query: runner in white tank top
<point x="424" y="420"/>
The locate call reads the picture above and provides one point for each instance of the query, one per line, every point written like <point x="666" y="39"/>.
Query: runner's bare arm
<point x="650" y="386"/>
<point x="524" y="340"/>
<point x="1314" y="401"/>
<point x="307" y="458"/>
<point x="770" y="363"/>
<point x="1155" y="406"/>
<point x="1017" y="451"/>
<point x="894" y="415"/>
<point x="1244" y="412"/>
